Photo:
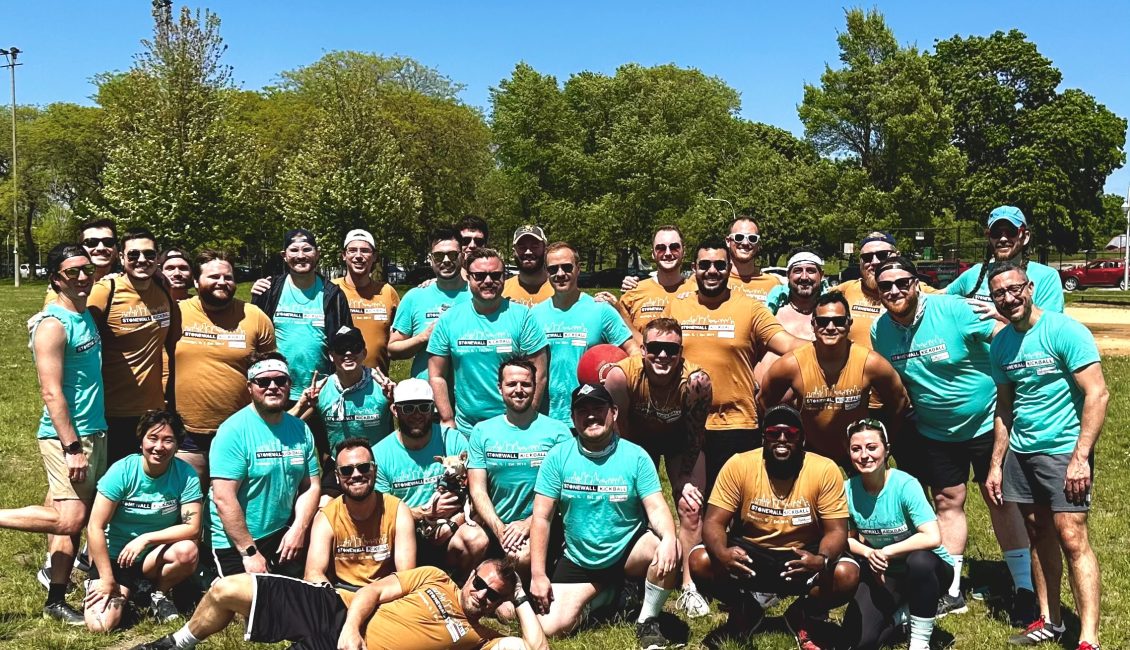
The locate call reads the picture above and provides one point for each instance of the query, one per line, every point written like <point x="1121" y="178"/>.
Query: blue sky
<point x="766" y="50"/>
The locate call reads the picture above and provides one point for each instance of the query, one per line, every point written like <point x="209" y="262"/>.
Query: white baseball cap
<point x="360" y="235"/>
<point x="412" y="390"/>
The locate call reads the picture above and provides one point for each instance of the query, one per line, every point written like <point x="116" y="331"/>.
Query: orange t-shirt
<point x="826" y="411"/>
<point x="790" y="521"/>
<point x="363" y="551"/>
<point x="757" y="286"/>
<point x="428" y="616"/>
<point x="372" y="309"/>
<point x="726" y="341"/>
<point x="213" y="356"/>
<point x="134" y="326"/>
<point x="514" y="290"/>
<point x="647" y="301"/>
<point x="655" y="415"/>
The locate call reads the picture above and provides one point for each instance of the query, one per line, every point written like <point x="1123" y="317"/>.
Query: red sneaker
<point x="1087" y="645"/>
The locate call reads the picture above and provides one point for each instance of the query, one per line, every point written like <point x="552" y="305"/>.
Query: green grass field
<point x="21" y="597"/>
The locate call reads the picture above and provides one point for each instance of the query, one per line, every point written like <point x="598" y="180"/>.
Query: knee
<point x="845" y="577"/>
<point x="701" y="566"/>
<point x="1074" y="540"/>
<point x="949" y="500"/>
<point x="919" y="563"/>
<point x="185" y="553"/>
<point x="471" y="540"/>
<point x="232" y="589"/>
<point x="70" y="525"/>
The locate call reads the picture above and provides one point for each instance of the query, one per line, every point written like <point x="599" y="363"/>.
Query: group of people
<point x="341" y="509"/>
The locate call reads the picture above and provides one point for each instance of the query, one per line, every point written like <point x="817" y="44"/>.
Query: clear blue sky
<point x="766" y="50"/>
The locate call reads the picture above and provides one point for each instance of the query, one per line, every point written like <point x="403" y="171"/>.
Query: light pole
<point x="1126" y="244"/>
<point x="10" y="54"/>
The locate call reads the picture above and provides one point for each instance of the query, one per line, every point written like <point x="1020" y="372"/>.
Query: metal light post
<point x="1126" y="245"/>
<point x="10" y="54"/>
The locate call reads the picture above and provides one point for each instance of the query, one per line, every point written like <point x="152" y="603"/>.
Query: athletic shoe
<point x="164" y="643"/>
<point x="1025" y="609"/>
<point x="82" y="560"/>
<point x="692" y="603"/>
<point x="650" y="636"/>
<point x="43" y="576"/>
<point x="63" y="613"/>
<point x="1038" y="632"/>
<point x="948" y="604"/>
<point x="163" y="609"/>
<point x="798" y="623"/>
<point x="766" y="599"/>
<point x="1087" y="645"/>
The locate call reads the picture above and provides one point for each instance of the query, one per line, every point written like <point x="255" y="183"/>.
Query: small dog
<point x="453" y="480"/>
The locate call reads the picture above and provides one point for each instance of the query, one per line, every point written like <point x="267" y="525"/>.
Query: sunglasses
<point x="567" y="269"/>
<point x="1014" y="289"/>
<point x="719" y="265"/>
<point x="742" y="238"/>
<point x="481" y="276"/>
<point x="138" y="253"/>
<point x="445" y="256"/>
<point x="267" y="382"/>
<point x="353" y="350"/>
<point x="467" y="241"/>
<point x="478" y="584"/>
<point x="655" y="348"/>
<point x="824" y="321"/>
<point x="903" y="284"/>
<point x="877" y="256"/>
<point x="93" y="242"/>
<point x="778" y="431"/>
<point x="408" y="408"/>
<point x="360" y="468"/>
<point x="663" y="248"/>
<point x="1004" y="230"/>
<point x="74" y="271"/>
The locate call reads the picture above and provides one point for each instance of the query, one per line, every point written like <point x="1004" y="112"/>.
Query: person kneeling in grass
<point x="144" y="525"/>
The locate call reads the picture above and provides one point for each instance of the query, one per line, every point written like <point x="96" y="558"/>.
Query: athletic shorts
<point x="129" y="577"/>
<point x="569" y="572"/>
<point x="939" y="465"/>
<point x="767" y="565"/>
<point x="196" y="443"/>
<point x="1039" y="479"/>
<point x="59" y="484"/>
<point x="229" y="561"/>
<point x="289" y="609"/>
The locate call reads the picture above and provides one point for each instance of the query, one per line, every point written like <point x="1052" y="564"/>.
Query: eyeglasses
<point x="876" y="256"/>
<point x="360" y="468"/>
<point x="82" y="269"/>
<point x="719" y="265"/>
<point x="903" y="284"/>
<point x="467" y="241"/>
<point x="352" y="350"/>
<point x="481" y="276"/>
<point x="742" y="237"/>
<point x="93" y="242"/>
<point x="266" y="382"/>
<point x="664" y="248"/>
<point x="481" y="585"/>
<point x="567" y="269"/>
<point x="409" y="408"/>
<point x="1004" y="230"/>
<point x="137" y="253"/>
<point x="1014" y="289"/>
<point x="655" y="348"/>
<point x="444" y="256"/>
<point x="359" y="250"/>
<point x="824" y="321"/>
<point x="778" y="431"/>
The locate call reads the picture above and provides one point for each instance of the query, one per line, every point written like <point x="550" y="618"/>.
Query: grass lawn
<point x="21" y="597"/>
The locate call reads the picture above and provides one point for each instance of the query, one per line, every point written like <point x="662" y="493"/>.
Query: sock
<point x="688" y="586"/>
<point x="920" y="631"/>
<point x="183" y="638"/>
<point x="653" y="598"/>
<point x="1019" y="561"/>
<point x="955" y="587"/>
<point x="56" y="593"/>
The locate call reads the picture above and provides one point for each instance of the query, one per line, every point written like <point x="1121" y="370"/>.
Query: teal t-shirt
<point x="361" y="413"/>
<point x="476" y="345"/>
<point x="82" y="372"/>
<point x="145" y="504"/>
<point x="1040" y="364"/>
<point x="300" y="333"/>
<point x="420" y="308"/>
<point x="269" y="461"/>
<point x="511" y="457"/>
<point x="570" y="332"/>
<point x="892" y="515"/>
<point x="600" y="499"/>
<point x="943" y="359"/>
<point x="411" y="475"/>
<point x="1047" y="294"/>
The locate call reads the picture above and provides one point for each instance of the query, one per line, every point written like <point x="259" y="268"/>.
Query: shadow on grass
<point x="993" y="575"/>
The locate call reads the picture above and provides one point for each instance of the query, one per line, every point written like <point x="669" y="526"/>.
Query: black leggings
<point x="869" y="621"/>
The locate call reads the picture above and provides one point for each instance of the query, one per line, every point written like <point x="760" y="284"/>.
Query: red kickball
<point x="596" y="361"/>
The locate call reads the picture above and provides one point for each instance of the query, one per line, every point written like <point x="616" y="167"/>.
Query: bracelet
<point x="520" y="600"/>
<point x="825" y="559"/>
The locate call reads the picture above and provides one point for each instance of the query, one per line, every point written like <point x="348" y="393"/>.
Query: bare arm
<point x="783" y="342"/>
<point x="778" y="381"/>
<point x="404" y="551"/>
<point x="305" y="506"/>
<point x="631" y="346"/>
<point x="402" y="346"/>
<point x="540" y="588"/>
<point x="477" y="485"/>
<point x="699" y="398"/>
<point x="616" y="383"/>
<point x="50" y="344"/>
<point x="541" y="362"/>
<point x="1002" y="425"/>
<point x="100" y="514"/>
<point x="438" y="366"/>
<point x="225" y="493"/>
<point x="1095" y="398"/>
<point x="887" y="385"/>
<point x="321" y="547"/>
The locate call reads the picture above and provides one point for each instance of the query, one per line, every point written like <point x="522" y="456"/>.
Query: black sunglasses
<point x="138" y="253"/>
<point x="92" y="242"/>
<point x="441" y="256"/>
<point x="267" y="382"/>
<point x="655" y="348"/>
<point x="481" y="276"/>
<point x="903" y="284"/>
<point x="467" y="241"/>
<point x="360" y="468"/>
<point x="564" y="268"/>
<point x="877" y="256"/>
<point x="481" y="585"/>
<point x="74" y="271"/>
<point x="353" y="349"/>
<point x="824" y="321"/>
<point x="673" y="247"/>
<point x="719" y="265"/>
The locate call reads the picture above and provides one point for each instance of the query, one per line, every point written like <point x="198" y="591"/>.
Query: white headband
<point x="805" y="256"/>
<point x="267" y="365"/>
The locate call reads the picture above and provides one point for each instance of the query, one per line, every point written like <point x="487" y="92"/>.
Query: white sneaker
<point x="766" y="600"/>
<point x="692" y="603"/>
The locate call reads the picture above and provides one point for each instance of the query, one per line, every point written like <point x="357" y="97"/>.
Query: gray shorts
<point x="1039" y="479"/>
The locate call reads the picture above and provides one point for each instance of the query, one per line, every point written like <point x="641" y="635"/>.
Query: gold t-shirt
<point x="757" y="286"/>
<point x="647" y="301"/>
<point x="363" y="552"/>
<point x="655" y="416"/>
<point x="372" y="309"/>
<point x="514" y="290"/>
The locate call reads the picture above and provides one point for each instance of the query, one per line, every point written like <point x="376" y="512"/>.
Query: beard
<point x="364" y="495"/>
<point x="211" y="299"/>
<point x="783" y="469"/>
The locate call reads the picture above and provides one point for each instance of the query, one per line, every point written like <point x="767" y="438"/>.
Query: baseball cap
<point x="1010" y="213"/>
<point x="877" y="236"/>
<point x="358" y="234"/>
<point x="534" y="231"/>
<point x="299" y="235"/>
<point x="782" y="414"/>
<point x="596" y="392"/>
<point x="412" y="390"/>
<point x="347" y="337"/>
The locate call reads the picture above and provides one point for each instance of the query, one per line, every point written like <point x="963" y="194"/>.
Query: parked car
<point x="1099" y="273"/>
<point x="395" y="273"/>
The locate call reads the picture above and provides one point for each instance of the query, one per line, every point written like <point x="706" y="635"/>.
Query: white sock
<point x="653" y="598"/>
<point x="184" y="639"/>
<point x="920" y="631"/>
<point x="1019" y="561"/>
<point x="955" y="587"/>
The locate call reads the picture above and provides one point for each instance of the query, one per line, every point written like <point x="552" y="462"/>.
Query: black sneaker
<point x="63" y="613"/>
<point x="82" y="560"/>
<point x="164" y="643"/>
<point x="948" y="604"/>
<point x="163" y="609"/>
<point x="650" y="636"/>
<point x="1038" y="632"/>
<point x="1025" y="608"/>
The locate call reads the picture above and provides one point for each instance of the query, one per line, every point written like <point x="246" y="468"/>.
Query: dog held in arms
<point x="453" y="480"/>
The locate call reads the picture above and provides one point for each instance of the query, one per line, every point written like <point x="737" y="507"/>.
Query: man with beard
<point x="726" y="332"/>
<point x="787" y="517"/>
<point x="832" y="380"/>
<point x="265" y="487"/>
<point x="662" y="401"/>
<point x="133" y="312"/>
<point x="355" y="535"/>
<point x="372" y="303"/>
<point x="100" y="241"/>
<point x="644" y="300"/>
<point x="410" y="467"/>
<point x="940" y="348"/>
<point x="610" y="500"/>
<point x="573" y="322"/>
<point x="1051" y="405"/>
<point x="863" y="294"/>
<point x="505" y="454"/>
<point x="473" y="233"/>
<point x="805" y="282"/>
<point x="531" y="285"/>
<point x="219" y="335"/>
<point x="175" y="267"/>
<point x="473" y="338"/>
<point x="744" y="242"/>
<point x="422" y="306"/>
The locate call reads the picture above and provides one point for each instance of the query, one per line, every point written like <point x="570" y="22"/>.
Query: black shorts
<point x="129" y="577"/>
<point x="719" y="446"/>
<point x="196" y="443"/>
<point x="229" y="561"/>
<point x="939" y="465"/>
<point x="289" y="609"/>
<point x="121" y="438"/>
<point x="569" y="572"/>
<point x="330" y="487"/>
<point x="767" y="565"/>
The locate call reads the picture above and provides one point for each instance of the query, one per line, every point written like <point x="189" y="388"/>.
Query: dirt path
<point x="1110" y="325"/>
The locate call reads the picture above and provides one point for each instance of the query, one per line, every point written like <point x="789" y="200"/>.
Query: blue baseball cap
<point x="1010" y="213"/>
<point x="877" y="236"/>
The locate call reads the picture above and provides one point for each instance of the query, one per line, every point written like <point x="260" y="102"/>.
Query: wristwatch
<point x="250" y="551"/>
<point x="519" y="600"/>
<point x="74" y="449"/>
